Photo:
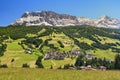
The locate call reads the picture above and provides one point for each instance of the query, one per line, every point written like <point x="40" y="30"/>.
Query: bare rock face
<point x="86" y="21"/>
<point x="51" y="18"/>
<point x="46" y="18"/>
<point x="107" y="22"/>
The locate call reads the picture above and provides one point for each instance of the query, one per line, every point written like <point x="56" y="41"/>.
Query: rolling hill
<point x="25" y="44"/>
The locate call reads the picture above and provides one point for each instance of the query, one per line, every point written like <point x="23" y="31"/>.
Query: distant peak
<point x="105" y="17"/>
<point x="43" y="11"/>
<point x="37" y="11"/>
<point x="82" y="17"/>
<point x="26" y="12"/>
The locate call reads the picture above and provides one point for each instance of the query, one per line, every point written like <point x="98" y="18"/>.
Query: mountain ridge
<point x="50" y="18"/>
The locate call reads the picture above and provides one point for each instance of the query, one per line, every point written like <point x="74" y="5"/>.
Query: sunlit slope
<point x="97" y="41"/>
<point x="16" y="52"/>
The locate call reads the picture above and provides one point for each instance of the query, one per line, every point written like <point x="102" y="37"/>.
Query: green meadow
<point x="77" y="38"/>
<point x="47" y="74"/>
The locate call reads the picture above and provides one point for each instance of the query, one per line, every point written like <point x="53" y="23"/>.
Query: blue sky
<point x="10" y="10"/>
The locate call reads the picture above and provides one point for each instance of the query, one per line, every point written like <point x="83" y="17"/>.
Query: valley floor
<point x="47" y="74"/>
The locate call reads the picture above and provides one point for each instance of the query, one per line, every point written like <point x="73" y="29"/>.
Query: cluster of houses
<point x="62" y="55"/>
<point x="89" y="67"/>
<point x="56" y="55"/>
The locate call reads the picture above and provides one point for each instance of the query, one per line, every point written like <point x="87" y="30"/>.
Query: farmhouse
<point x="88" y="55"/>
<point x="103" y="68"/>
<point x="88" y="67"/>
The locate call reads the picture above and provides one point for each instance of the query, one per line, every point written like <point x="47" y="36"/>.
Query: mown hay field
<point x="50" y="74"/>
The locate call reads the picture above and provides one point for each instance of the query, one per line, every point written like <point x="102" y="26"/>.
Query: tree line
<point x="97" y="62"/>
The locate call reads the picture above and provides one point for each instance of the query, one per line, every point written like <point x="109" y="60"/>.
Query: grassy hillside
<point x="16" y="52"/>
<point x="97" y="41"/>
<point x="38" y="74"/>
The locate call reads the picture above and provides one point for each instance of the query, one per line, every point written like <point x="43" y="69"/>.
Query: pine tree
<point x="117" y="61"/>
<point x="80" y="61"/>
<point x="39" y="62"/>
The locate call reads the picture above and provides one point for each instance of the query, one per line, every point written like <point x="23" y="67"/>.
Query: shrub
<point x="51" y="67"/>
<point x="66" y="66"/>
<point x="25" y="65"/>
<point x="3" y="66"/>
<point x="61" y="44"/>
<point x="60" y="67"/>
<point x="13" y="60"/>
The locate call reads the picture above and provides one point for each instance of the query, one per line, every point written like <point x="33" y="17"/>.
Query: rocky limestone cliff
<point x="51" y="18"/>
<point x="46" y="18"/>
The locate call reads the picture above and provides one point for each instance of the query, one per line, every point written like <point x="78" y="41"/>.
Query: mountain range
<point x="50" y="18"/>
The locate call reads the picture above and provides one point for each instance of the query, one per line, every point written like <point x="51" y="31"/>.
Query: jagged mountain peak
<point x="55" y="19"/>
<point x="107" y="22"/>
<point x="46" y="18"/>
<point x="49" y="14"/>
<point x="105" y="17"/>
